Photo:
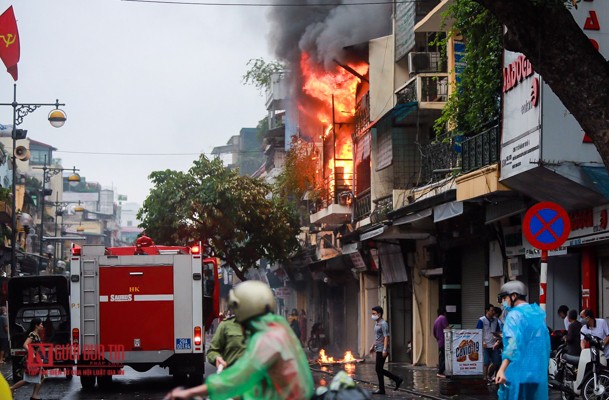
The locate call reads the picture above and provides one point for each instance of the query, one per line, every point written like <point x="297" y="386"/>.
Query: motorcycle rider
<point x="526" y="349"/>
<point x="596" y="327"/>
<point x="273" y="366"/>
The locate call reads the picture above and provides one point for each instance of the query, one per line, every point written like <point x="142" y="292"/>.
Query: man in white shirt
<point x="596" y="327"/>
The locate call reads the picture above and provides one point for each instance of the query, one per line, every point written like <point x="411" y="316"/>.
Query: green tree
<point x="559" y="50"/>
<point x="238" y="217"/>
<point x="475" y="100"/>
<point x="261" y="72"/>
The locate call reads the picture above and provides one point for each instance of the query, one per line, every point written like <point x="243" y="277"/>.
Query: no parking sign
<point x="546" y="226"/>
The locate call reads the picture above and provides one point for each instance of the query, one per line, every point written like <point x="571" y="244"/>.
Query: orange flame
<point x="339" y="83"/>
<point x="347" y="358"/>
<point x="336" y="91"/>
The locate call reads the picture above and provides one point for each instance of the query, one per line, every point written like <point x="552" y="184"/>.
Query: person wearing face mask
<point x="596" y="327"/>
<point x="526" y="346"/>
<point x="381" y="348"/>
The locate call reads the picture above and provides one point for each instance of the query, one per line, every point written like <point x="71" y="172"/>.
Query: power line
<point x="194" y="3"/>
<point x="100" y="153"/>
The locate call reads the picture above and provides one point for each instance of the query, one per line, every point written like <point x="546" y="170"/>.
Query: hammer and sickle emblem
<point x="8" y="39"/>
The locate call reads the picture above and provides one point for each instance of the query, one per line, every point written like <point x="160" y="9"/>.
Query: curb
<point x="425" y="395"/>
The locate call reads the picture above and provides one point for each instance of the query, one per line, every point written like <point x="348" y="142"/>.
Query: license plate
<point x="183" y="344"/>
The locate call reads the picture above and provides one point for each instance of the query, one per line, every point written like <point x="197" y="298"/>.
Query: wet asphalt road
<point x="151" y="385"/>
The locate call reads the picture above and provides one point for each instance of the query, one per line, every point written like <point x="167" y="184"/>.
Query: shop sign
<point x="589" y="225"/>
<point x="283" y="292"/>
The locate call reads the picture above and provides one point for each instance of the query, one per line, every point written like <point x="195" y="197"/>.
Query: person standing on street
<point x="596" y="327"/>
<point x="4" y="349"/>
<point x="526" y="346"/>
<point x="302" y="324"/>
<point x="228" y="343"/>
<point x="274" y="365"/>
<point x="381" y="348"/>
<point x="489" y="325"/>
<point x="562" y="313"/>
<point x="573" y="335"/>
<point x="439" y="325"/>
<point x="32" y="372"/>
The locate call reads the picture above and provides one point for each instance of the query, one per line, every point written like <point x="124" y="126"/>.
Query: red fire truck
<point x="140" y="306"/>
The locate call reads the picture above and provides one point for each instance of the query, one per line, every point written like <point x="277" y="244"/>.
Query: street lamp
<point x="47" y="173"/>
<point x="19" y="112"/>
<point x="60" y="208"/>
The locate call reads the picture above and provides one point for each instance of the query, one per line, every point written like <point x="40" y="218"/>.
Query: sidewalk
<point x="421" y="381"/>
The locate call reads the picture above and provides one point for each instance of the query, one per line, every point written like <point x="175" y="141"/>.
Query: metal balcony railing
<point x="337" y="190"/>
<point x="424" y="88"/>
<point x="363" y="205"/>
<point x="480" y="150"/>
<point x="438" y="158"/>
<point x="384" y="205"/>
<point x="362" y="114"/>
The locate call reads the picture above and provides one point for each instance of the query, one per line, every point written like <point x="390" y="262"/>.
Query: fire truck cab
<point x="137" y="306"/>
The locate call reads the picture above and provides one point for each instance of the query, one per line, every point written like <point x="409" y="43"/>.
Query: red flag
<point x="9" y="41"/>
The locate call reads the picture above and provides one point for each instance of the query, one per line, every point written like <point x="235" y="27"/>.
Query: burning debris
<point x="347" y="359"/>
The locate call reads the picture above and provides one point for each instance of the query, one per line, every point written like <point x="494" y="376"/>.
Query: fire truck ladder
<point x="89" y="302"/>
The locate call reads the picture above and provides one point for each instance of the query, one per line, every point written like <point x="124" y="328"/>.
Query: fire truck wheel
<point x="104" y="381"/>
<point x="180" y="378"/>
<point x="87" y="382"/>
<point x="195" y="379"/>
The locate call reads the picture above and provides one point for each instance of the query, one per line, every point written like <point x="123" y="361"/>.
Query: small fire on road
<point x="348" y="358"/>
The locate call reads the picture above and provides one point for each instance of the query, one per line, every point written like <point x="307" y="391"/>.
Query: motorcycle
<point x="585" y="376"/>
<point x="317" y="338"/>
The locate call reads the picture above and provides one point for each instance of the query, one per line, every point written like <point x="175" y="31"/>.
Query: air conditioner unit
<point x="423" y="62"/>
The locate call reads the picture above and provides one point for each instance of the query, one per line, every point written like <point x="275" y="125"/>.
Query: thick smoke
<point x="322" y="32"/>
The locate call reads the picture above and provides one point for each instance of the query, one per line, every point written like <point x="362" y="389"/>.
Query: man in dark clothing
<point x="439" y="325"/>
<point x="381" y="348"/>
<point x="572" y="338"/>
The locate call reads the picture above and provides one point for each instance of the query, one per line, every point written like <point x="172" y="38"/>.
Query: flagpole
<point x="14" y="187"/>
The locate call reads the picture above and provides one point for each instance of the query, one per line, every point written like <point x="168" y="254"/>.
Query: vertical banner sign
<point x="9" y="42"/>
<point x="466" y="352"/>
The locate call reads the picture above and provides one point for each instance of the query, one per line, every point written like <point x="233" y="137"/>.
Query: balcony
<point x="438" y="159"/>
<point x="334" y="207"/>
<point x="481" y="150"/>
<point x="429" y="90"/>
<point x="363" y="205"/>
<point x="362" y="114"/>
<point x="277" y="92"/>
<point x="384" y="205"/>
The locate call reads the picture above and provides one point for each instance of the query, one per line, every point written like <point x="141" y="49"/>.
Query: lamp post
<point x="60" y="208"/>
<point x="47" y="173"/>
<point x="57" y="118"/>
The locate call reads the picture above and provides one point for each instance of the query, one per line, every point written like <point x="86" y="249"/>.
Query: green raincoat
<point x="274" y="366"/>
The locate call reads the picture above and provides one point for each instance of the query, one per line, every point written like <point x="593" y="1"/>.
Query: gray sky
<point x="136" y="78"/>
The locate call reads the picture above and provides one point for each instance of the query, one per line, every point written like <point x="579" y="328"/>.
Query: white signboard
<point x="520" y="149"/>
<point x="467" y="356"/>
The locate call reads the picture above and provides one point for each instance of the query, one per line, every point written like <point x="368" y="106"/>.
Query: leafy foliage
<point x="260" y="73"/>
<point x="238" y="217"/>
<point x="476" y="100"/>
<point x="300" y="170"/>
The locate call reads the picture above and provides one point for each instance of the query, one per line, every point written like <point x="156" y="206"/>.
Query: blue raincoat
<point x="526" y="342"/>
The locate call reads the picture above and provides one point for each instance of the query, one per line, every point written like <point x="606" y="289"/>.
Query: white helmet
<point x="512" y="287"/>
<point x="250" y="299"/>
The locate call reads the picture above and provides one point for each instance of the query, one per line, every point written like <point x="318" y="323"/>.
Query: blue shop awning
<point x="600" y="178"/>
